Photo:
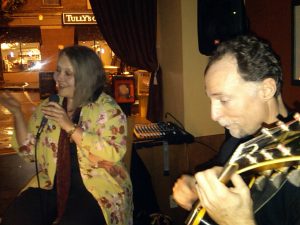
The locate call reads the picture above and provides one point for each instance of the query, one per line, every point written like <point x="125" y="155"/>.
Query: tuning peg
<point x="294" y="176"/>
<point x="278" y="177"/>
<point x="266" y="173"/>
<point x="260" y="182"/>
<point x="262" y="179"/>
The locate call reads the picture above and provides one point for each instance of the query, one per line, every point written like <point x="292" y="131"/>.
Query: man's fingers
<point x="239" y="184"/>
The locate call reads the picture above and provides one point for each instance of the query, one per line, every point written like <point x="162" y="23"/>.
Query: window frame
<point x="295" y="42"/>
<point x="46" y="4"/>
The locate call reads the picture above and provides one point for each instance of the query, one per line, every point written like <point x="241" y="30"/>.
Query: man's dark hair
<point x="255" y="58"/>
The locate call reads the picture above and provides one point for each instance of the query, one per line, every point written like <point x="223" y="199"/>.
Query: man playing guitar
<point x="243" y="80"/>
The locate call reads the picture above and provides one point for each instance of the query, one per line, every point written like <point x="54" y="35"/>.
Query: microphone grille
<point x="53" y="98"/>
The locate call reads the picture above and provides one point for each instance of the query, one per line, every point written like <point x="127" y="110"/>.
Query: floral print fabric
<point x="100" y="156"/>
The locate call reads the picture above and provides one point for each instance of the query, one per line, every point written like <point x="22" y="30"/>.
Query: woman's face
<point x="64" y="77"/>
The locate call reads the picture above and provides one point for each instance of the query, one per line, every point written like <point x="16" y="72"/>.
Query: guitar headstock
<point x="276" y="149"/>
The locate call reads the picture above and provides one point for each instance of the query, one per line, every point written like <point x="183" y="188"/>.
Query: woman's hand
<point x="10" y="102"/>
<point x="184" y="191"/>
<point x="54" y="111"/>
<point x="14" y="106"/>
<point x="225" y="205"/>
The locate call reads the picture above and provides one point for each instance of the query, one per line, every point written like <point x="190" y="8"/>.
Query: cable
<point x="52" y="98"/>
<point x="29" y="98"/>
<point x="37" y="176"/>
<point x="206" y="145"/>
<point x="177" y="121"/>
<point x="35" y="161"/>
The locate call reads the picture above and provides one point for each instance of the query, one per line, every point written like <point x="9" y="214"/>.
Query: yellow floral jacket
<point x="100" y="156"/>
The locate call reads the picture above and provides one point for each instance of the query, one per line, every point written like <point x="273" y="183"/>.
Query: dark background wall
<point x="271" y="19"/>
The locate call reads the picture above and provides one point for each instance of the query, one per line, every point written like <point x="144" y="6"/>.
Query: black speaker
<point x="219" y="20"/>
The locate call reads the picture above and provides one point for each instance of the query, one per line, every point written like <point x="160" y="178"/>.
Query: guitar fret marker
<point x="285" y="151"/>
<point x="283" y="126"/>
<point x="266" y="131"/>
<point x="266" y="155"/>
<point x="251" y="159"/>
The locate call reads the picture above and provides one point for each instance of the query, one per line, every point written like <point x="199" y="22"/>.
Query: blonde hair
<point x="88" y="72"/>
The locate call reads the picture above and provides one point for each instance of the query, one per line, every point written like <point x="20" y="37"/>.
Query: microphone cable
<point x="177" y="121"/>
<point x="196" y="141"/>
<point x="52" y="98"/>
<point x="37" y="138"/>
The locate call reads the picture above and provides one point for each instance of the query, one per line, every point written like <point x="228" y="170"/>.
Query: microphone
<point x="52" y="98"/>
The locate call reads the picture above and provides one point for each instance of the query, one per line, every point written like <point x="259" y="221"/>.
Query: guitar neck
<point x="227" y="172"/>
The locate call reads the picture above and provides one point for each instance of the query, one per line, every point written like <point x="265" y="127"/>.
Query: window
<point x="91" y="37"/>
<point x="101" y="48"/>
<point x="19" y="57"/>
<point x="51" y="2"/>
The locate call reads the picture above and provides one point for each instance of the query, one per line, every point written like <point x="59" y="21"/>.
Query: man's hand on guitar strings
<point x="225" y="205"/>
<point x="184" y="191"/>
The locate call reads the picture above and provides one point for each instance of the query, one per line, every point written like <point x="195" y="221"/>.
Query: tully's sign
<point x="79" y="18"/>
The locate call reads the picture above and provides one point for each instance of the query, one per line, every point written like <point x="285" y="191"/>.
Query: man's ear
<point x="268" y="88"/>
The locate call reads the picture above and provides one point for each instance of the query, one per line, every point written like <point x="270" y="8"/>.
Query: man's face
<point x="235" y="103"/>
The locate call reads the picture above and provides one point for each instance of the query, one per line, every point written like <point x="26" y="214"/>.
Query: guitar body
<point x="206" y="220"/>
<point x="271" y="158"/>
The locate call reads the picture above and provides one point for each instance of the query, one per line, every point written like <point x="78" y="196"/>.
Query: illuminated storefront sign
<point x="79" y="18"/>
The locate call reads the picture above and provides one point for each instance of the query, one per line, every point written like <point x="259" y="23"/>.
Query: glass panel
<point x="104" y="52"/>
<point x="21" y="56"/>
